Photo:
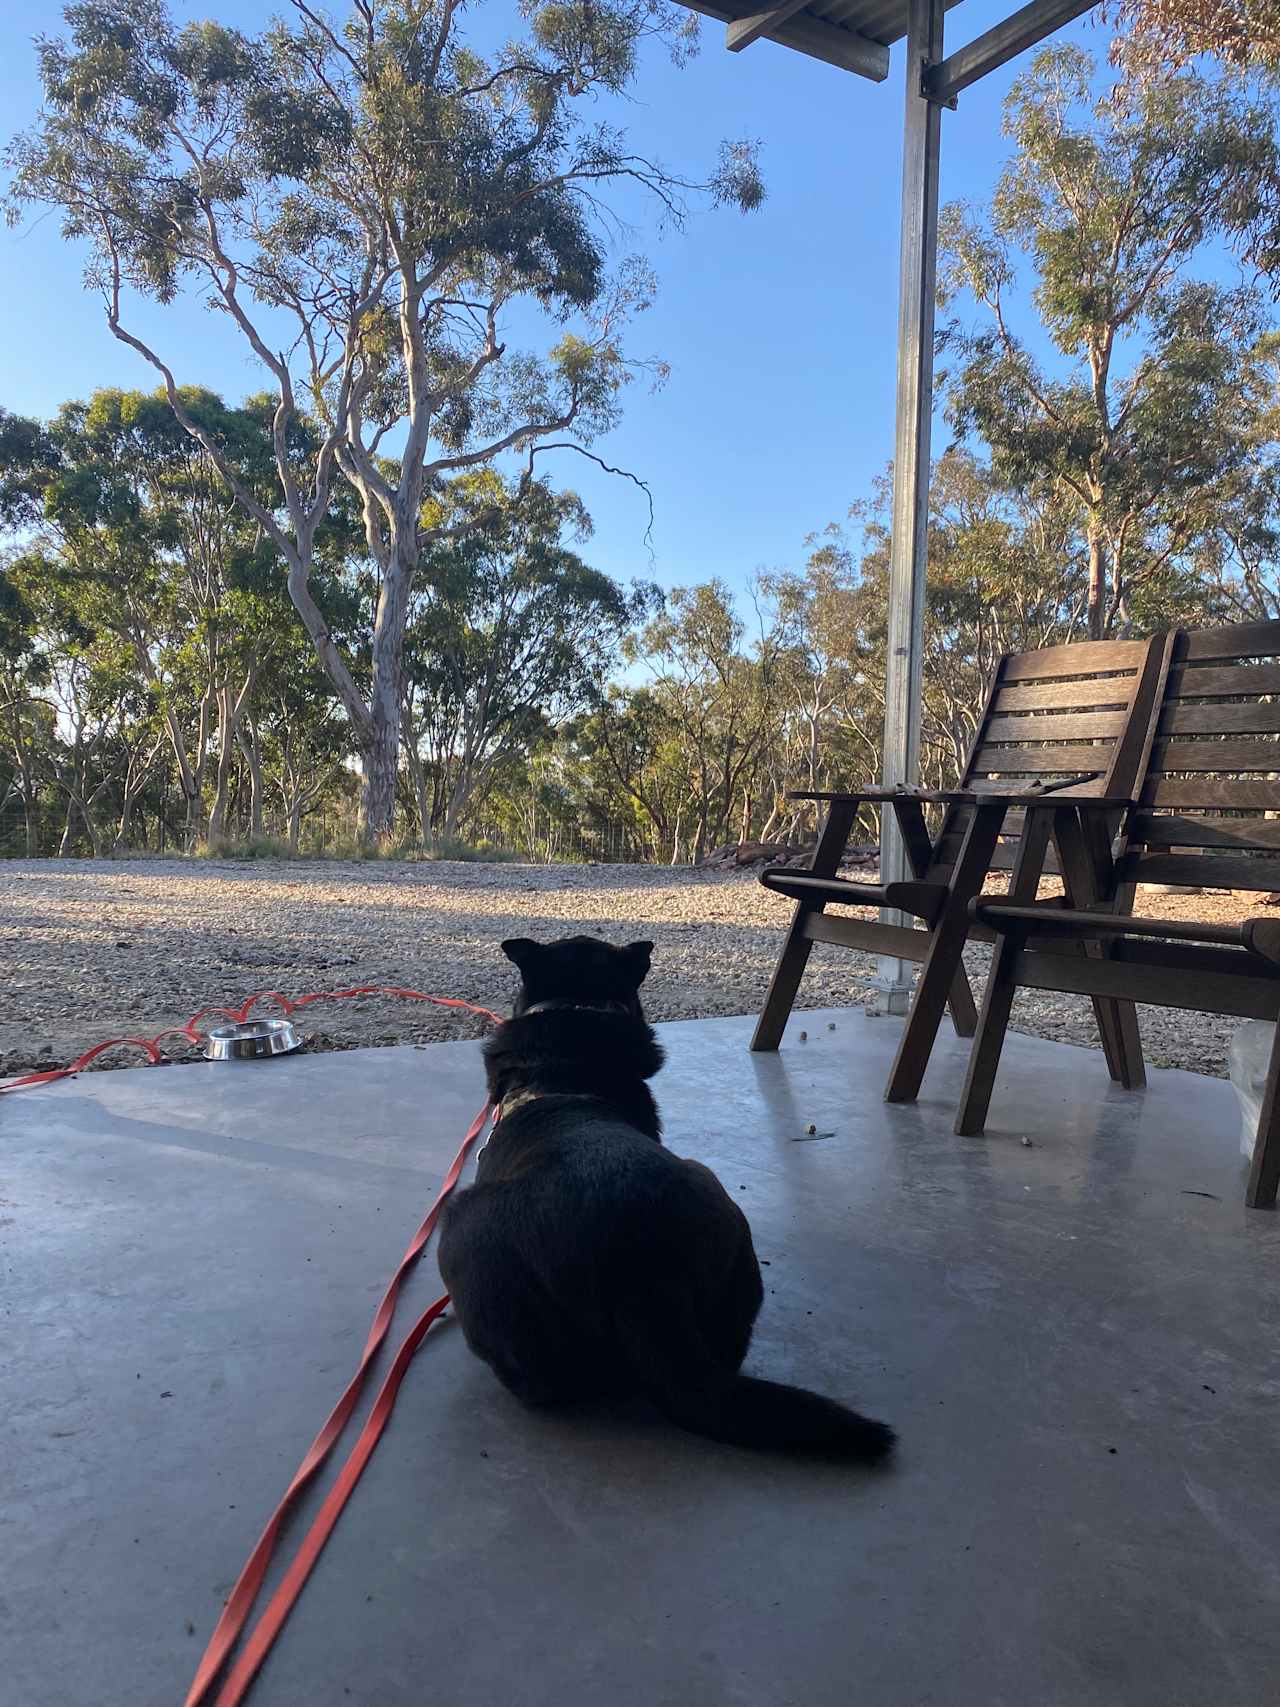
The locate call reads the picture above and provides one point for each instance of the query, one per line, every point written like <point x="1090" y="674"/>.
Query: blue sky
<point x="779" y="327"/>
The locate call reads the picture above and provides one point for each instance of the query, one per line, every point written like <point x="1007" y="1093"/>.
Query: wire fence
<point x="44" y="835"/>
<point x="542" y="839"/>
<point x="548" y="840"/>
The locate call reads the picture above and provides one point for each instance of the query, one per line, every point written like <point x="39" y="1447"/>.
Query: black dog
<point x="588" y="1262"/>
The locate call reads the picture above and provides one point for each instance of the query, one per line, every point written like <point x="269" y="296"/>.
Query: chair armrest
<point x="1050" y="914"/>
<point x="1035" y="797"/>
<point x="972" y="797"/>
<point x="880" y="796"/>
<point x="872" y="791"/>
<point x="1260" y="936"/>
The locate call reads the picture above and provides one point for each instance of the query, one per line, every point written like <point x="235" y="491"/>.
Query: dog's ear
<point x="522" y="951"/>
<point x="639" y="959"/>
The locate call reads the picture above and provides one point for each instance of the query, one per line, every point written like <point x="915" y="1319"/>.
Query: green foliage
<point x="683" y="751"/>
<point x="1156" y="36"/>
<point x="244" y="848"/>
<point x="142" y="602"/>
<point x="1154" y="412"/>
<point x="359" y="848"/>
<point x="466" y="853"/>
<point x="513" y="632"/>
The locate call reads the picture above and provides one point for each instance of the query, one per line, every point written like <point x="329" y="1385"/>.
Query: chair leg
<point x="784" y="985"/>
<point x="993" y="1022"/>
<point x="964" y="1015"/>
<point x="1117" y="1023"/>
<point x="943" y="961"/>
<point x="797" y="948"/>
<point x="1083" y="869"/>
<point x="937" y="979"/>
<point x="1264" y="1173"/>
<point x="1130" y="1069"/>
<point x="1002" y="981"/>
<point x="1133" y="1069"/>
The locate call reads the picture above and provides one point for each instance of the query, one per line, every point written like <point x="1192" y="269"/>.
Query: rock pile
<point x="737" y="854"/>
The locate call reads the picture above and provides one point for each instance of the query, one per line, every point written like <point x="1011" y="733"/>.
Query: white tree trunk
<point x="381" y="755"/>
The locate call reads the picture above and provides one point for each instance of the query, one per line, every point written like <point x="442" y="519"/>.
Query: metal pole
<point x="909" y="554"/>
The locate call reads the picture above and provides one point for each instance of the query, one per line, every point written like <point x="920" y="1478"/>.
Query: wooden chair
<point x="1066" y="722"/>
<point x="1208" y="816"/>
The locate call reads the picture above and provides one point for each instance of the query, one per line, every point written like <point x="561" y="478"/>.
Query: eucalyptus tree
<point x="368" y="200"/>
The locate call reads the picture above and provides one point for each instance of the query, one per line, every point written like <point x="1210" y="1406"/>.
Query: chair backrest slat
<point x="1210" y="812"/>
<point x="1237" y="640"/>
<point x="1078" y="658"/>
<point x="1244" y="717"/>
<point x="1198" y="792"/>
<point x="1220" y="757"/>
<point x="1176" y="830"/>
<point x="1051" y="726"/>
<point x="1090" y="760"/>
<point x="1191" y="681"/>
<point x="1208" y="871"/>
<point x="1062" y="695"/>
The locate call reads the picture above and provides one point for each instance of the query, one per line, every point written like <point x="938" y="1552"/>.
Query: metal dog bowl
<point x="251" y="1041"/>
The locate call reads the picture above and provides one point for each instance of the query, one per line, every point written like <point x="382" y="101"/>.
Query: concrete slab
<point x="1077" y="1341"/>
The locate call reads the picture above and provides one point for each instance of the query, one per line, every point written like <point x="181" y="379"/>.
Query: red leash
<point x="235" y="1614"/>
<point x="239" y="1606"/>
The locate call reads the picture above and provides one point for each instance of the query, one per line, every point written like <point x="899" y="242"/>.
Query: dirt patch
<point x="93" y="949"/>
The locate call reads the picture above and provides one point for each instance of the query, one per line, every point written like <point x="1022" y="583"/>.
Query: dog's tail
<point x="669" y="1355"/>
<point x="744" y="1411"/>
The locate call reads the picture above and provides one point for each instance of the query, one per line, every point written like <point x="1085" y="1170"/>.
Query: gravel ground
<point x="94" y="949"/>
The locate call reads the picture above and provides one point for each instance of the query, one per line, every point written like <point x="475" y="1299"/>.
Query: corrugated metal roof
<point x="883" y="21"/>
<point x="854" y="34"/>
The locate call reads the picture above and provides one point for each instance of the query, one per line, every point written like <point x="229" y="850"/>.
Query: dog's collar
<point x="564" y="1005"/>
<point x="516" y="1100"/>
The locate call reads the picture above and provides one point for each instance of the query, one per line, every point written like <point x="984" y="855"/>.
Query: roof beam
<point x="1021" y="30"/>
<point x="843" y="48"/>
<point x="746" y="30"/>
